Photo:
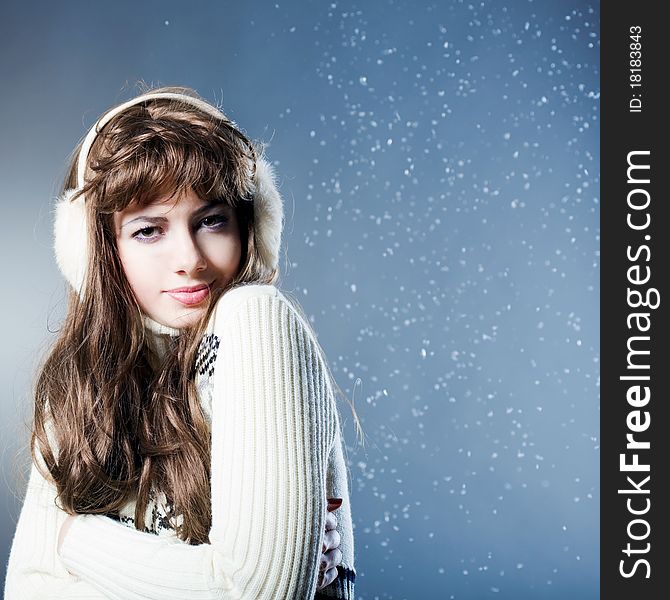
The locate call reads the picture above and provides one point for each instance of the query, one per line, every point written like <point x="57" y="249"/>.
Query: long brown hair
<point x="109" y="425"/>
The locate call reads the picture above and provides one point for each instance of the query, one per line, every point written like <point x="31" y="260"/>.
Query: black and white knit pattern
<point x="156" y="519"/>
<point x="206" y="355"/>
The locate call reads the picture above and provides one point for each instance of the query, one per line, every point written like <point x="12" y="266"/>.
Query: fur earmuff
<point x="268" y="214"/>
<point x="70" y="239"/>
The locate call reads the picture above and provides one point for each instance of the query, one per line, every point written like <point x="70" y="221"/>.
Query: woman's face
<point x="174" y="253"/>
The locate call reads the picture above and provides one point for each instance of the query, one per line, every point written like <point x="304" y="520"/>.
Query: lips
<point x="190" y="296"/>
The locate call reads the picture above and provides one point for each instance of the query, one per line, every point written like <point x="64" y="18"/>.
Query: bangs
<point x="139" y="158"/>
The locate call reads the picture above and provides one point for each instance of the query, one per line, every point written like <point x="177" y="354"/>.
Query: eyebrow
<point x="160" y="220"/>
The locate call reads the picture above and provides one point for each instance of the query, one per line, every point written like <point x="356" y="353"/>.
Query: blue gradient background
<point x="439" y="165"/>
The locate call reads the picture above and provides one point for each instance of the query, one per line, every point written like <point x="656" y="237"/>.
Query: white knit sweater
<point x="276" y="457"/>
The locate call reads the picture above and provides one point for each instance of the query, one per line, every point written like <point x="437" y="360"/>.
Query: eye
<point x="214" y="221"/>
<point x="145" y="233"/>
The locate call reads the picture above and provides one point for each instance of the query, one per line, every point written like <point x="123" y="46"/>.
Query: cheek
<point x="137" y="270"/>
<point x="236" y="254"/>
<point x="224" y="254"/>
<point x="237" y="257"/>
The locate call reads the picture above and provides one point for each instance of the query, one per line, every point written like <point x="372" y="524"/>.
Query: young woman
<point x="186" y="437"/>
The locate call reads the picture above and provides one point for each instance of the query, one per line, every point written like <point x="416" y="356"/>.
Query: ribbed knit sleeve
<point x="34" y="571"/>
<point x="337" y="486"/>
<point x="273" y="419"/>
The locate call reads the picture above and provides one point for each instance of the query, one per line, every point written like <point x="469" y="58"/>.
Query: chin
<point x="188" y="317"/>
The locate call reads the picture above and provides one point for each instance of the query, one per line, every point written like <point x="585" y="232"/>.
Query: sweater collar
<point x="160" y="338"/>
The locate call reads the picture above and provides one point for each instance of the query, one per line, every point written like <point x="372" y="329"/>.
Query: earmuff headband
<point x="104" y="119"/>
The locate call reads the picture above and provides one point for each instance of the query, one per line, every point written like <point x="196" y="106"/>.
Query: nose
<point x="189" y="258"/>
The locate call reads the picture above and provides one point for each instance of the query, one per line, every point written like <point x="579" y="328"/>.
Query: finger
<point x="333" y="558"/>
<point x="337" y="557"/>
<point x="336" y="540"/>
<point x="331" y="521"/>
<point x="330" y="560"/>
<point x="328" y="577"/>
<point x="331" y="540"/>
<point x="327" y="541"/>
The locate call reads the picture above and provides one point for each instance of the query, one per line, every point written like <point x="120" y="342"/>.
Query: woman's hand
<point x="331" y="555"/>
